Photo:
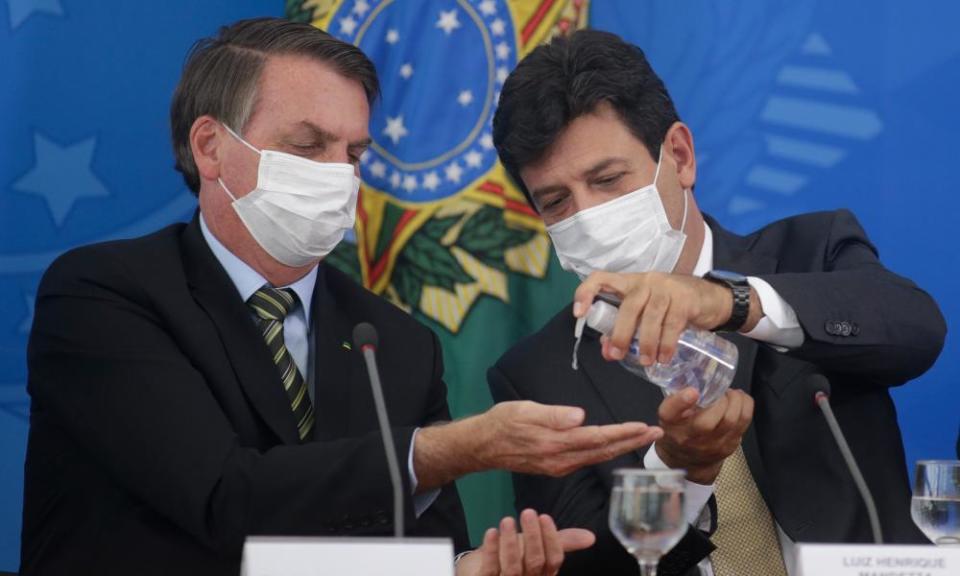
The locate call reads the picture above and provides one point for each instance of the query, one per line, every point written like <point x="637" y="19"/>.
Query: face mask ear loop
<point x="225" y="189"/>
<point x="656" y="173"/>
<point x="237" y="136"/>
<point x="686" y="197"/>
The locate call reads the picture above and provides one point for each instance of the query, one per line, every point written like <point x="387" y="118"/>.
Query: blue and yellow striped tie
<point x="271" y="305"/>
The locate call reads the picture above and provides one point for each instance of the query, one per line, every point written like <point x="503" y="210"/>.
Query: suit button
<point x="845" y="328"/>
<point x="830" y="327"/>
<point x="854" y="329"/>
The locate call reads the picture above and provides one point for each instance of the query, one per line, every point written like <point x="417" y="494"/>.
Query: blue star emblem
<point x="441" y="65"/>
<point x="61" y="176"/>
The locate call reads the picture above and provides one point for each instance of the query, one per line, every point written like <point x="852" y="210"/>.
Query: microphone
<point x="821" y="396"/>
<point x="365" y="338"/>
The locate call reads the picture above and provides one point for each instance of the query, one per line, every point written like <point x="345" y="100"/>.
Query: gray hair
<point x="220" y="76"/>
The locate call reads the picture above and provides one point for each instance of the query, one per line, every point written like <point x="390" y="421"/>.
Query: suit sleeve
<point x="857" y="316"/>
<point x="581" y="500"/>
<point x="104" y="367"/>
<point x="444" y="518"/>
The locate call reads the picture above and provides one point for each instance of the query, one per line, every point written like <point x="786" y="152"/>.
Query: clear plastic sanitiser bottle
<point x="702" y="360"/>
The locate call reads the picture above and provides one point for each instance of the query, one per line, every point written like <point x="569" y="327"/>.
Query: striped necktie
<point x="746" y="537"/>
<point x="271" y="305"/>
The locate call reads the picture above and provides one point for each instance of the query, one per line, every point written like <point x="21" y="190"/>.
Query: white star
<point x="361" y="7"/>
<point x="348" y="25"/>
<point x="378" y="169"/>
<point x="431" y="181"/>
<point x="20" y="10"/>
<point x="486" y="141"/>
<point x="30" y="300"/>
<point x="409" y="183"/>
<point x="406" y="71"/>
<point x="365" y="157"/>
<point x="453" y="172"/>
<point x="395" y="179"/>
<point x="503" y="50"/>
<point x="488" y="8"/>
<point x="448" y="21"/>
<point x="473" y="159"/>
<point x="465" y="98"/>
<point x="395" y="129"/>
<point x="502" y="74"/>
<point x="392" y="36"/>
<point x="498" y="27"/>
<point x="61" y="176"/>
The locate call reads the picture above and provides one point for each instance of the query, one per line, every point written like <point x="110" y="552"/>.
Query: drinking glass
<point x="647" y="513"/>
<point x="936" y="501"/>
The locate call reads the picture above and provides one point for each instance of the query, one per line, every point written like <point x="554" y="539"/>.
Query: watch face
<point x="726" y="276"/>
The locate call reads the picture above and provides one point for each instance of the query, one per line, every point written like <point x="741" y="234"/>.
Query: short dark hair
<point x="221" y="73"/>
<point x="567" y="78"/>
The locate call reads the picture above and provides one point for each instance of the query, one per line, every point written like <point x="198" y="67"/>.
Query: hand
<point x="700" y="439"/>
<point x="534" y="438"/>
<point x="539" y="550"/>
<point x="655" y="308"/>
<point x="521" y="436"/>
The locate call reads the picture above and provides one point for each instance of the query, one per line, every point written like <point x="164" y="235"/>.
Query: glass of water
<point x="647" y="513"/>
<point x="936" y="501"/>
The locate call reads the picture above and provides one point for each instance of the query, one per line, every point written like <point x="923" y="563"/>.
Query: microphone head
<point x="364" y="334"/>
<point x="819" y="385"/>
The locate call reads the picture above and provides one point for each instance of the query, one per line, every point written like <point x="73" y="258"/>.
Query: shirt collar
<point x="705" y="260"/>
<point x="247" y="280"/>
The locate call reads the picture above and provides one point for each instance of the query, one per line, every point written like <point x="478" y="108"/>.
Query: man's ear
<point x="205" y="142"/>
<point x="679" y="143"/>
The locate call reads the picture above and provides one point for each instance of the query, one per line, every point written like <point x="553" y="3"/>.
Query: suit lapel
<point x="731" y="252"/>
<point x="215" y="293"/>
<point x="332" y="359"/>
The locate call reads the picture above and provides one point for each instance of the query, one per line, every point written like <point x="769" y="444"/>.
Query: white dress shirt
<point x="296" y="330"/>
<point x="780" y="328"/>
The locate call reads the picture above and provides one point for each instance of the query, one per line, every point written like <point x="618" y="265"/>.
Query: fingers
<point x="568" y="462"/>
<point x="596" y="283"/>
<point x="511" y="557"/>
<point x="673" y="324"/>
<point x="552" y="545"/>
<point x="489" y="554"/>
<point x="678" y="407"/>
<point x="554" y="417"/>
<point x="633" y="309"/>
<point x="651" y="324"/>
<point x="590" y="437"/>
<point x="534" y="555"/>
<point x="573" y="539"/>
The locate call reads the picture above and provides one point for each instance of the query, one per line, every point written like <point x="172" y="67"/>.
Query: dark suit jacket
<point x="161" y="436"/>
<point x="865" y="328"/>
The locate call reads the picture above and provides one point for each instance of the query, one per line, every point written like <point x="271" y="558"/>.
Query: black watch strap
<point x="741" y="298"/>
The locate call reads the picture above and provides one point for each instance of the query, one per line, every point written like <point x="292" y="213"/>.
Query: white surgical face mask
<point x="300" y="209"/>
<point x="627" y="234"/>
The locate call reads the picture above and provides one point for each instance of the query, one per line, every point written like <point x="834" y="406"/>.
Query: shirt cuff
<point x="697" y="495"/>
<point x="779" y="325"/>
<point x="421" y="502"/>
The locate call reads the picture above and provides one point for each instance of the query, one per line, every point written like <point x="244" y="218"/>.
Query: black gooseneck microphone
<point x="821" y="396"/>
<point x="365" y="339"/>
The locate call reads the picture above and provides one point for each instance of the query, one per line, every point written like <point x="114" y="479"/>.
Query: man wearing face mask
<point x="195" y="386"/>
<point x="590" y="134"/>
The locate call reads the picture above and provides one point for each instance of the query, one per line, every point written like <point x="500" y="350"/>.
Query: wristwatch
<point x="741" y="297"/>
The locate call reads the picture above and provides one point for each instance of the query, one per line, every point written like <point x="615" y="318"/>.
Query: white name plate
<point x="874" y="560"/>
<point x="291" y="556"/>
